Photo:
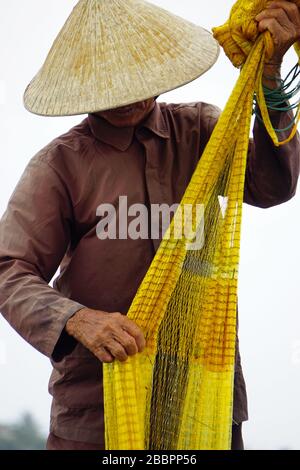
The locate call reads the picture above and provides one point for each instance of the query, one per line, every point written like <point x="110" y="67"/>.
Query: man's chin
<point x="119" y="122"/>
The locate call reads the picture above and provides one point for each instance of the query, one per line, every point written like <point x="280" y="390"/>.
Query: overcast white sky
<point x="269" y="293"/>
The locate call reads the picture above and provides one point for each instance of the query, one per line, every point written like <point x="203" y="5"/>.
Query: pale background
<point x="269" y="293"/>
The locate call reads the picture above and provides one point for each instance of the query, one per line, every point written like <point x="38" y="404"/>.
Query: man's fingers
<point x="273" y="26"/>
<point x="290" y="8"/>
<point x="109" y="336"/>
<point x="277" y="14"/>
<point x="104" y="356"/>
<point x="127" y="341"/>
<point x="285" y="13"/>
<point x="117" y="351"/>
<point x="136" y="332"/>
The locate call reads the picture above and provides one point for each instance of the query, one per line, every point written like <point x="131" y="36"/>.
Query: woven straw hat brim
<point x="118" y="52"/>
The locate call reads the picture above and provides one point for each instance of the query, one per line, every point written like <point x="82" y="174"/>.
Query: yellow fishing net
<point x="178" y="393"/>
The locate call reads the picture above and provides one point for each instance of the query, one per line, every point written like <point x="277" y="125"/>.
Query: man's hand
<point x="282" y="19"/>
<point x="108" y="336"/>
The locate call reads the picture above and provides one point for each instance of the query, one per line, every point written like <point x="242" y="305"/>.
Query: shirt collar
<point x="156" y="122"/>
<point x="121" y="137"/>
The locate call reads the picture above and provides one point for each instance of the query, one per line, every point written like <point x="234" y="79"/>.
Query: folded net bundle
<point x="178" y="393"/>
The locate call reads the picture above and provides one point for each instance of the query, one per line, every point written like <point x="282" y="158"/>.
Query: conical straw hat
<point x="112" y="53"/>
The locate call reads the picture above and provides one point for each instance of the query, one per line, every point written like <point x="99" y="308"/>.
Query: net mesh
<point x="178" y="393"/>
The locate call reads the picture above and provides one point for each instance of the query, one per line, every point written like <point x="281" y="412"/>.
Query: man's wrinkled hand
<point x="108" y="336"/>
<point x="282" y="19"/>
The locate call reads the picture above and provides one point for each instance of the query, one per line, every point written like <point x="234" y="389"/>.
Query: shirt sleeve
<point x="272" y="172"/>
<point x="34" y="237"/>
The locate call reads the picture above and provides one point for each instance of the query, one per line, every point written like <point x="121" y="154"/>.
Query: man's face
<point x="130" y="115"/>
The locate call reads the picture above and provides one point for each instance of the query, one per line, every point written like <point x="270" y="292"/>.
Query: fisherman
<point x="111" y="61"/>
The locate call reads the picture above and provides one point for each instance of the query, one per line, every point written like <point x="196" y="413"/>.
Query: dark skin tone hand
<point x="111" y="336"/>
<point x="108" y="336"/>
<point x="282" y="19"/>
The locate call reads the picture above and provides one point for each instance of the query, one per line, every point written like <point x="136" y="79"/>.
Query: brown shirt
<point x="51" y="220"/>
